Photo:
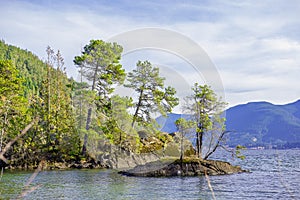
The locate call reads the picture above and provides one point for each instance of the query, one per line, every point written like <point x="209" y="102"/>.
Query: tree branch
<point x="9" y="144"/>
<point x="217" y="145"/>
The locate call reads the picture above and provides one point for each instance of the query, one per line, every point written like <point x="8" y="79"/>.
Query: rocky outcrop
<point x="125" y="160"/>
<point x="47" y="165"/>
<point x="154" y="149"/>
<point x="187" y="167"/>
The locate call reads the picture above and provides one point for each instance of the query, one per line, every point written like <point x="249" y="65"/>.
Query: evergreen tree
<point x="99" y="63"/>
<point x="13" y="105"/>
<point x="31" y="68"/>
<point x="31" y="89"/>
<point x="59" y="138"/>
<point x="152" y="96"/>
<point x="207" y="110"/>
<point x="117" y="127"/>
<point x="81" y="98"/>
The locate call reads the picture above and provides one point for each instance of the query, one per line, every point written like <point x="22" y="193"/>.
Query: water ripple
<point x="274" y="175"/>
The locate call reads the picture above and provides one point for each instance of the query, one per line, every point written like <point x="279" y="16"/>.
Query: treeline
<point x="78" y="120"/>
<point x="75" y="117"/>
<point x="30" y="89"/>
<point x="104" y="115"/>
<point x="99" y="63"/>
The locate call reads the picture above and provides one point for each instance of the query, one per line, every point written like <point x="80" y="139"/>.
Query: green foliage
<point x="206" y="109"/>
<point x="30" y="88"/>
<point x="152" y="96"/>
<point x="58" y="122"/>
<point x="99" y="63"/>
<point x="238" y="153"/>
<point x="112" y="131"/>
<point x="31" y="68"/>
<point x="81" y="97"/>
<point x="13" y="105"/>
<point x="117" y="128"/>
<point x="184" y="127"/>
<point x="119" y="112"/>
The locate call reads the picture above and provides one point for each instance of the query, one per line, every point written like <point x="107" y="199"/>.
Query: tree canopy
<point x="32" y="89"/>
<point x="206" y="109"/>
<point x="152" y="96"/>
<point x="99" y="63"/>
<point x="38" y="94"/>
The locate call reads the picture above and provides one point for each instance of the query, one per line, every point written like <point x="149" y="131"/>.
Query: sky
<point x="251" y="47"/>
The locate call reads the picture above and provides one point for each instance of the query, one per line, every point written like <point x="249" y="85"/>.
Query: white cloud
<point x="255" y="46"/>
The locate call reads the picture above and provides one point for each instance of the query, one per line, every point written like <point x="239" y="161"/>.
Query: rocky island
<point x="186" y="167"/>
<point x="163" y="160"/>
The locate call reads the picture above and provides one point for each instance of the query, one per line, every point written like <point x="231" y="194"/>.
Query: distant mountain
<point x="261" y="123"/>
<point x="255" y="124"/>
<point x="167" y="124"/>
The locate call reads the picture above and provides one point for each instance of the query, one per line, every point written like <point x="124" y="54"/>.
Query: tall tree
<point x="57" y="126"/>
<point x="81" y="95"/>
<point x="152" y="96"/>
<point x="207" y="110"/>
<point x="117" y="127"/>
<point x="33" y="89"/>
<point x="66" y="138"/>
<point x="13" y="105"/>
<point x="99" y="64"/>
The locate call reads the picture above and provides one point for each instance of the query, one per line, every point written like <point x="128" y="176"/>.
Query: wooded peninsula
<point x="47" y="117"/>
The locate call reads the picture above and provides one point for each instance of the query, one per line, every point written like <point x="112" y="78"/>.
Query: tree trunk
<point x="2" y="131"/>
<point x="137" y="109"/>
<point x="89" y="115"/>
<point x="181" y="148"/>
<point x="80" y="101"/>
<point x="49" y="104"/>
<point x="200" y="144"/>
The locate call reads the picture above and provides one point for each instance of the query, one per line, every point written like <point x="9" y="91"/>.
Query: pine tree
<point x="152" y="96"/>
<point x="99" y="63"/>
<point x="207" y="110"/>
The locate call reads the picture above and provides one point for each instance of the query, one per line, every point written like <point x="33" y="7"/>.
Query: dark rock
<point x="188" y="167"/>
<point x="143" y="135"/>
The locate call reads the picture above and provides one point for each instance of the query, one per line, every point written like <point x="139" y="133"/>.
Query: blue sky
<point x="255" y="45"/>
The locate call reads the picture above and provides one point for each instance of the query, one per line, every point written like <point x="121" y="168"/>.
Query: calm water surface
<point x="275" y="174"/>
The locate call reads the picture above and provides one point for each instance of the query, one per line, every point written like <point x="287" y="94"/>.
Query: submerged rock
<point x="187" y="167"/>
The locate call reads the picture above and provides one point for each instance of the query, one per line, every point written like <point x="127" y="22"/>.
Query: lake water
<point x="275" y="174"/>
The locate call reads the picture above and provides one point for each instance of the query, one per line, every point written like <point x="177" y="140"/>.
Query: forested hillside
<point x="74" y="121"/>
<point x="29" y="66"/>
<point x="265" y="124"/>
<point x="32" y="89"/>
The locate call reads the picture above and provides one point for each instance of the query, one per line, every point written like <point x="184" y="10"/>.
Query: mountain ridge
<point x="256" y="124"/>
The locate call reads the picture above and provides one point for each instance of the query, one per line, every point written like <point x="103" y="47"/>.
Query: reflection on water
<point x="275" y="175"/>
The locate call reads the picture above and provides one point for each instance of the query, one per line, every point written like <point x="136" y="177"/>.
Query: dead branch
<point x="217" y="145"/>
<point x="10" y="143"/>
